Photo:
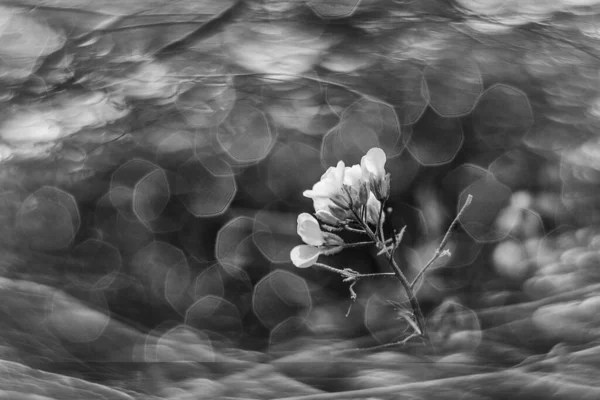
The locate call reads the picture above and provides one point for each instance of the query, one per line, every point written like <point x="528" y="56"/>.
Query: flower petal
<point x="374" y="163"/>
<point x="323" y="188"/>
<point x="340" y="169"/>
<point x="326" y="216"/>
<point x="322" y="204"/>
<point x="304" y="256"/>
<point x="352" y="175"/>
<point x="373" y="206"/>
<point x="309" y="230"/>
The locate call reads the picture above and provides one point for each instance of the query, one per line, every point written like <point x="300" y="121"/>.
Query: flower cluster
<point x="352" y="199"/>
<point x="344" y="197"/>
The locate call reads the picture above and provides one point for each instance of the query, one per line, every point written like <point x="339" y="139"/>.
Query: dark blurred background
<point x="154" y="156"/>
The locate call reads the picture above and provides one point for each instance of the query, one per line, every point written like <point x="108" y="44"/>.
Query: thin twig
<point x="399" y="275"/>
<point x="443" y="242"/>
<point x="356" y="244"/>
<point x="335" y="270"/>
<point x="379" y="223"/>
<point x="414" y="303"/>
<point x="378" y="275"/>
<point x="351" y="275"/>
<point x="350" y="229"/>
<point x="395" y="240"/>
<point x="349" y="309"/>
<point x="365" y="227"/>
<point x="352" y="292"/>
<point x="375" y="348"/>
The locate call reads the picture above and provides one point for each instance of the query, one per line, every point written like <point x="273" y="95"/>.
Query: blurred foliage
<point x="153" y="160"/>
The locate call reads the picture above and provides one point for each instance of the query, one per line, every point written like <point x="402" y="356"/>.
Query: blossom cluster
<point x="343" y="197"/>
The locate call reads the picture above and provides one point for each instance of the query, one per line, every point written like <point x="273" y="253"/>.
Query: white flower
<point x="329" y="185"/>
<point x="304" y="256"/>
<point x="317" y="242"/>
<point x="352" y="175"/>
<point x="322" y="204"/>
<point x="373" y="171"/>
<point x="309" y="230"/>
<point x="373" y="164"/>
<point x="338" y="189"/>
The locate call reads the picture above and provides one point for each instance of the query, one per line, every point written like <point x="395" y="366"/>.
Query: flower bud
<point x="373" y="171"/>
<point x="373" y="207"/>
<point x="331" y="239"/>
<point x="341" y="200"/>
<point x="363" y="194"/>
<point x="304" y="256"/>
<point x="353" y="195"/>
<point x="381" y="187"/>
<point x="327" y="217"/>
<point x="339" y="212"/>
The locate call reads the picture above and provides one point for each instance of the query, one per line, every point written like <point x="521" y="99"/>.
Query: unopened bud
<point x="331" y="239"/>
<point x="385" y="187"/>
<point x="327" y="218"/>
<point x="381" y="187"/>
<point x="338" y="212"/>
<point x="341" y="200"/>
<point x="373" y="207"/>
<point x="363" y="194"/>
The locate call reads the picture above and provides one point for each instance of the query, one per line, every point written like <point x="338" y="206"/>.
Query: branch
<point x="438" y="251"/>
<point x="350" y="229"/>
<point x="350" y="275"/>
<point x="379" y="229"/>
<point x="414" y="303"/>
<point x="356" y="244"/>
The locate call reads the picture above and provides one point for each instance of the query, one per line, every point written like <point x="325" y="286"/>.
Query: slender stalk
<point x="379" y="224"/>
<point x="355" y="276"/>
<point x="331" y="269"/>
<point x="414" y="303"/>
<point x="400" y="276"/>
<point x="395" y="240"/>
<point x="350" y="229"/>
<point x="356" y="244"/>
<point x="366" y="227"/>
<point x="381" y="274"/>
<point x="438" y="251"/>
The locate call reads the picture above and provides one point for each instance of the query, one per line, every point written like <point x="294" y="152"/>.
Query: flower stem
<point x="414" y="303"/>
<point x="350" y="229"/>
<point x="331" y="269"/>
<point x="357" y="244"/>
<point x="400" y="276"/>
<point x="354" y="275"/>
<point x="379" y="224"/>
<point x="438" y="251"/>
